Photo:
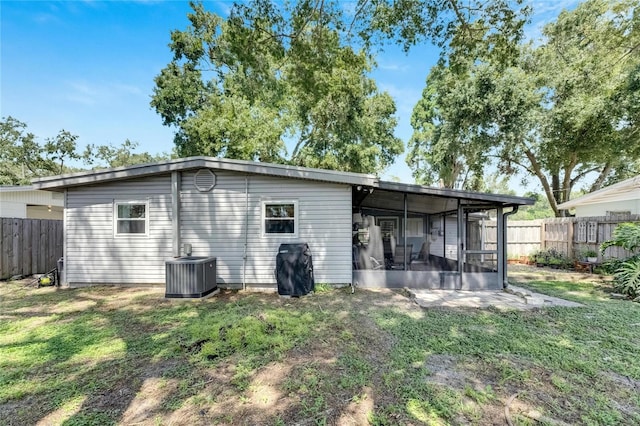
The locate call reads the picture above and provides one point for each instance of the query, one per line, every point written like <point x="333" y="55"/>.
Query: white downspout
<point x="246" y="231"/>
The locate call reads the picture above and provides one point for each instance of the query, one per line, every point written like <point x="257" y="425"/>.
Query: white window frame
<point x="389" y="219"/>
<point x="263" y="218"/>
<point x="117" y="234"/>
<point x="415" y="227"/>
<point x="592" y="232"/>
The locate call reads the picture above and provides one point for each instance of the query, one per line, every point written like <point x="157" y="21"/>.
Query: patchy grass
<point x="108" y="355"/>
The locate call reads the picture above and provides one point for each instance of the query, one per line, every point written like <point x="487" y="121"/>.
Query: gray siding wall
<point x="93" y="255"/>
<point x="214" y="224"/>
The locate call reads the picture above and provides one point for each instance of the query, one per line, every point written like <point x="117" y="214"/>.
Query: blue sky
<point x="88" y="67"/>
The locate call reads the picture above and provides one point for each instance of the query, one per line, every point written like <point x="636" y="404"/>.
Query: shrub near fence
<point x="29" y="246"/>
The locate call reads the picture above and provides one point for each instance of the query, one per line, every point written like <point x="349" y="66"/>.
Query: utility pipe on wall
<point x="246" y="231"/>
<point x="175" y="210"/>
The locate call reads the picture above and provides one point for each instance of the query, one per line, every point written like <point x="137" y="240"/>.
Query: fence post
<point x="570" y="224"/>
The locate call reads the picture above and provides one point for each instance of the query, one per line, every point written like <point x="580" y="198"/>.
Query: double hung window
<point x="131" y="218"/>
<point x="280" y="218"/>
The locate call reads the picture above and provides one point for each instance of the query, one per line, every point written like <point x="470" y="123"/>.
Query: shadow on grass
<point x="127" y="356"/>
<point x="109" y="355"/>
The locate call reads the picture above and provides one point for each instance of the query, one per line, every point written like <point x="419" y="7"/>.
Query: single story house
<point x="122" y="224"/>
<point x="25" y="202"/>
<point x="619" y="200"/>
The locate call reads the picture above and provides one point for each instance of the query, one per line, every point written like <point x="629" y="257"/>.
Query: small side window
<point x="131" y="218"/>
<point x="280" y="218"/>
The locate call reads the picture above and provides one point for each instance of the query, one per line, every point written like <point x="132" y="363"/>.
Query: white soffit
<point x="622" y="191"/>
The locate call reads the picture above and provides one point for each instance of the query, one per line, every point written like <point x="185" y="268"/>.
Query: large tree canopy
<point x="243" y="86"/>
<point x="298" y="73"/>
<point x="563" y="111"/>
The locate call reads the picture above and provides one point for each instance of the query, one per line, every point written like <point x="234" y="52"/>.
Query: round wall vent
<point x="204" y="180"/>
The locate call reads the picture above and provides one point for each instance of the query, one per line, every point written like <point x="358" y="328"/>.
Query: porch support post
<point x="175" y="211"/>
<point x="461" y="230"/>
<point x="501" y="248"/>
<point x="404" y="231"/>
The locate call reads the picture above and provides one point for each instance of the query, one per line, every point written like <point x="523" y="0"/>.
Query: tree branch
<point x="461" y="18"/>
<point x="582" y="174"/>
<point x="601" y="178"/>
<point x="355" y="16"/>
<point x="543" y="179"/>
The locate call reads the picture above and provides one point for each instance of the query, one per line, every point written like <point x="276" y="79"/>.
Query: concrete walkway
<point x="514" y="298"/>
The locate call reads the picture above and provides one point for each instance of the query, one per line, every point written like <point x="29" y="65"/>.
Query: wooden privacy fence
<point x="567" y="235"/>
<point x="29" y="246"/>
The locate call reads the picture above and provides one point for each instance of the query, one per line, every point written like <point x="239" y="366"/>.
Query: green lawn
<point x="107" y="355"/>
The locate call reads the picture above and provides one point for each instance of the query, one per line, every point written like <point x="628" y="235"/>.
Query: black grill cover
<point x="294" y="270"/>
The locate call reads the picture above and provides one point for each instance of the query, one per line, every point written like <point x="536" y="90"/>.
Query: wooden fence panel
<point x="556" y="235"/>
<point x="523" y="236"/>
<point x="35" y="241"/>
<point x="16" y="264"/>
<point x="6" y="243"/>
<point x="567" y="235"/>
<point x="42" y="247"/>
<point x="29" y="246"/>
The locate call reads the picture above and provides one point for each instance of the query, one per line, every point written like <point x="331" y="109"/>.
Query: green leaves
<point x="625" y="235"/>
<point x="559" y="111"/>
<point x="627" y="277"/>
<point x="241" y="87"/>
<point x="23" y="158"/>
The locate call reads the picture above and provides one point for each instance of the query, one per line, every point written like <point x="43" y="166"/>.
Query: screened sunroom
<point x="422" y="237"/>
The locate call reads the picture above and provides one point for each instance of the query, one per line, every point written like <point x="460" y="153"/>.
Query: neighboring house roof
<point x="626" y="190"/>
<point x="28" y="194"/>
<point x="59" y="183"/>
<point x="15" y="188"/>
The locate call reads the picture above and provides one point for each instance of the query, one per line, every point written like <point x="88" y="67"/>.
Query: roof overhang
<point x="59" y="183"/>
<point x="627" y="189"/>
<point x="370" y="185"/>
<point x="429" y="200"/>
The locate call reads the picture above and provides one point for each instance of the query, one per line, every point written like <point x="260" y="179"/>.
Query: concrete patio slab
<point x="515" y="298"/>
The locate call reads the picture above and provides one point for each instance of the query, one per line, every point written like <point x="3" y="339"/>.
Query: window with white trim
<point x="592" y="232"/>
<point x="581" y="232"/>
<point x="131" y="218"/>
<point x="280" y="218"/>
<point x="415" y="227"/>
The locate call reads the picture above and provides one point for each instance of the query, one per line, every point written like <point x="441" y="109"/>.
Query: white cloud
<point x="405" y="98"/>
<point x="224" y="7"/>
<point x="85" y="93"/>
<point x="396" y="66"/>
<point x="544" y="12"/>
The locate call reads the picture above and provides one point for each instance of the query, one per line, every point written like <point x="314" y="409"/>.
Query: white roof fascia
<point x="616" y="192"/>
<point x="455" y="193"/>
<point x="16" y="188"/>
<point x="140" y="170"/>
